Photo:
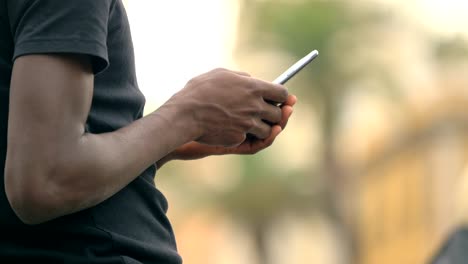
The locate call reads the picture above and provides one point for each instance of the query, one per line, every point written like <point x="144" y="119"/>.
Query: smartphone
<point x="288" y="74"/>
<point x="297" y="67"/>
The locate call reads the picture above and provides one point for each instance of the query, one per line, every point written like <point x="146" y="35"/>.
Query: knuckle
<point x="219" y="73"/>
<point x="219" y="69"/>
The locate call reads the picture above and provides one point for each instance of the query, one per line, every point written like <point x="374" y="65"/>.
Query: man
<point x="79" y="158"/>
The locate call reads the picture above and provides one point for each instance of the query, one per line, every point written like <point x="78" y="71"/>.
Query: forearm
<point x="54" y="168"/>
<point x="84" y="172"/>
<point x="106" y="163"/>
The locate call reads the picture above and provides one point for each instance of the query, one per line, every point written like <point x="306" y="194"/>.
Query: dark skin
<point x="194" y="150"/>
<point x="54" y="168"/>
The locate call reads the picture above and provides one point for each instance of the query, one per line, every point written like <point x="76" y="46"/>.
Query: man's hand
<point x="50" y="99"/>
<point x="224" y="106"/>
<point x="194" y="150"/>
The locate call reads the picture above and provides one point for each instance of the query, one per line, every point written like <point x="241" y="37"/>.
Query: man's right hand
<point x="226" y="105"/>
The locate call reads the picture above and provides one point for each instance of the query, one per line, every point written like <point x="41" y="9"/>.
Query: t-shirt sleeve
<point x="61" y="26"/>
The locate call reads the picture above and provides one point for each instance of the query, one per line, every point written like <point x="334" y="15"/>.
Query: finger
<point x="291" y="100"/>
<point x="286" y="114"/>
<point x="262" y="144"/>
<point x="260" y="129"/>
<point x="272" y="92"/>
<point x="275" y="131"/>
<point x="271" y="113"/>
<point x="256" y="145"/>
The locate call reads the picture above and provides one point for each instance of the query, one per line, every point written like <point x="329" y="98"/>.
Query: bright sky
<point x="446" y="16"/>
<point x="442" y="16"/>
<point x="178" y="39"/>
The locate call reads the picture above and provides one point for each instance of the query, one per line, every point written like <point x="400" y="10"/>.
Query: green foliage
<point x="299" y="28"/>
<point x="453" y="49"/>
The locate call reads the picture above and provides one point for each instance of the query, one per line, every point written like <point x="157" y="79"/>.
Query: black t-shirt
<point x="131" y="226"/>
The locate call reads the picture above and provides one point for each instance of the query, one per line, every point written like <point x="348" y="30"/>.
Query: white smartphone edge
<point x="296" y="67"/>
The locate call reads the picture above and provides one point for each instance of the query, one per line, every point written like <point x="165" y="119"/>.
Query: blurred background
<point x="373" y="167"/>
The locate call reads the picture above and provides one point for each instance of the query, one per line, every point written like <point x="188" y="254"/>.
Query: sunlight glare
<point x="177" y="40"/>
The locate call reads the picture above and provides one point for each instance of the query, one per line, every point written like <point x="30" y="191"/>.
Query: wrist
<point x="180" y="119"/>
